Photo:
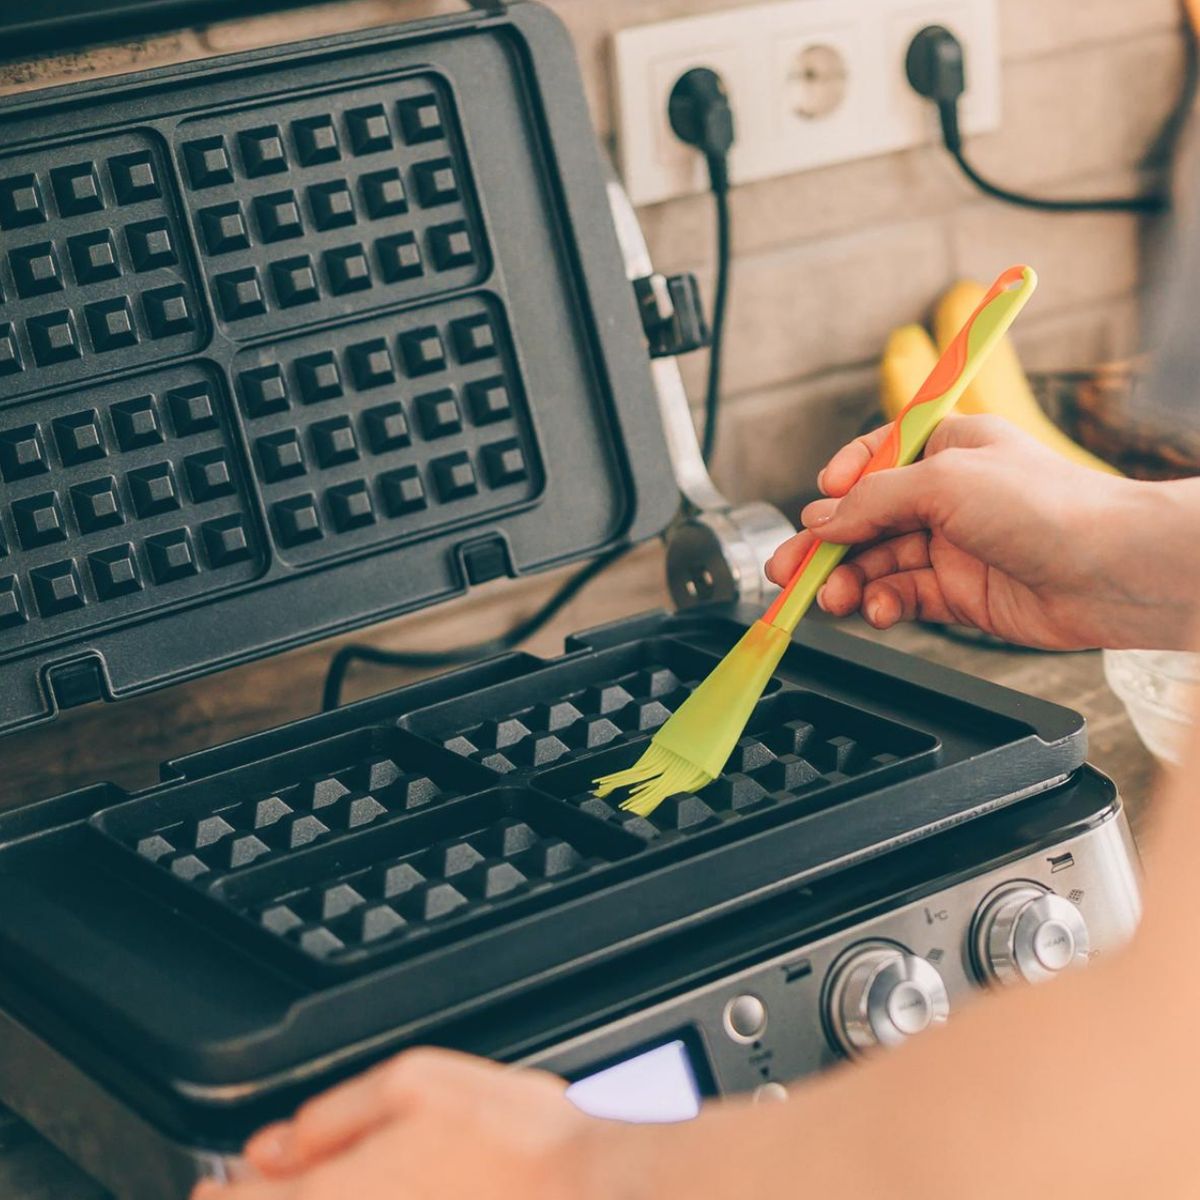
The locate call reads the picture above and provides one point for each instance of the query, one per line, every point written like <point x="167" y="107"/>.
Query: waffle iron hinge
<point x="716" y="551"/>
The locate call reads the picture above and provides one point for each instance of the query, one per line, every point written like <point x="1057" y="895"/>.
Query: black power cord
<point x="462" y="655"/>
<point x="936" y="69"/>
<point x="701" y="116"/>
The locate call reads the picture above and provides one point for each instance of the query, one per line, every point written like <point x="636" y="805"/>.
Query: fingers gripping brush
<point x="692" y="748"/>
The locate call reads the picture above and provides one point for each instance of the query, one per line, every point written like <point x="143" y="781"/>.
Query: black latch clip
<point x="672" y="313"/>
<point x="75" y="683"/>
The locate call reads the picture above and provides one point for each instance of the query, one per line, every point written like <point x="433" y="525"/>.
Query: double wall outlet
<point x="813" y="82"/>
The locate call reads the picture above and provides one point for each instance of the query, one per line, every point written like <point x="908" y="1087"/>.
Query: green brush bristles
<point x="656" y="776"/>
<point x="692" y="748"/>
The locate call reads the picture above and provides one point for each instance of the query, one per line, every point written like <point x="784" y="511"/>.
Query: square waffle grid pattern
<point x="119" y="500"/>
<point x="439" y="872"/>
<point x="94" y="276"/>
<point x="636" y="699"/>
<point x="376" y="841"/>
<point x="798" y="747"/>
<point x="332" y="204"/>
<point x="415" y="423"/>
<point x="209" y="834"/>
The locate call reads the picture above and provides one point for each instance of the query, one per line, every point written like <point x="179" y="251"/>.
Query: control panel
<point x="870" y="986"/>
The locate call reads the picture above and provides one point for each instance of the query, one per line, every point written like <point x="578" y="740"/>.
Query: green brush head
<point x="656" y="776"/>
<point x="692" y="748"/>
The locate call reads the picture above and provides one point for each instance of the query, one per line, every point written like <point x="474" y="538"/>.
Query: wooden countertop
<point x="1074" y="680"/>
<point x="125" y="743"/>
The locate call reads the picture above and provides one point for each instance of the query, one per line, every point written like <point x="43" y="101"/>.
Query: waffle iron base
<point x="922" y="896"/>
<point x="282" y="910"/>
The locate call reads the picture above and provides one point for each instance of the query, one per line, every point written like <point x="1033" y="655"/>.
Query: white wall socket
<point x="813" y="82"/>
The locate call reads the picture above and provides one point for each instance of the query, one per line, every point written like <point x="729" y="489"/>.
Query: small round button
<point x="1054" y="945"/>
<point x="909" y="1009"/>
<point x="770" y="1093"/>
<point x="745" y="1018"/>
<point x="879" y="995"/>
<point x="1026" y="933"/>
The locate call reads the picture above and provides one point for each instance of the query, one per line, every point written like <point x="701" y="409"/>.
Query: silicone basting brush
<point x="692" y="748"/>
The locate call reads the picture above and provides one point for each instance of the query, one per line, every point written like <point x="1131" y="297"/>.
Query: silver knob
<point x="880" y="995"/>
<point x="1025" y="933"/>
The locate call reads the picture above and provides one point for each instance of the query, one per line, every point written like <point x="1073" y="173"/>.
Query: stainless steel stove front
<point x="880" y="982"/>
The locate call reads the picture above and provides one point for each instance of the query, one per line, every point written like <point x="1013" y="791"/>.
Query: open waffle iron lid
<point x="296" y="341"/>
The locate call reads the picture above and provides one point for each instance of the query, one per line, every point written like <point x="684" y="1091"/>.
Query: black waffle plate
<point x="379" y="842"/>
<point x="294" y="341"/>
<point x="202" y="927"/>
<point x="446" y="872"/>
<point x="798" y="748"/>
<point x="570" y="710"/>
<point x="214" y="828"/>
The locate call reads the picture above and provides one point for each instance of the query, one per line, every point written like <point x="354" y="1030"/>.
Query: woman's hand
<point x="428" y="1124"/>
<point x="991" y="529"/>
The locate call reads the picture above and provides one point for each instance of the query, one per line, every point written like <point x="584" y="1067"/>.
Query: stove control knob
<point x="1025" y="933"/>
<point x="880" y="995"/>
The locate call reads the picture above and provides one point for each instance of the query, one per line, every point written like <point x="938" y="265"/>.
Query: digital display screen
<point x="656" y="1087"/>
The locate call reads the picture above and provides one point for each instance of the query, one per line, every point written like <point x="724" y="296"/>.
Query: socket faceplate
<point x="813" y="83"/>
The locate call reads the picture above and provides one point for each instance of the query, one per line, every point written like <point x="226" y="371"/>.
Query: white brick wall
<point x="827" y="262"/>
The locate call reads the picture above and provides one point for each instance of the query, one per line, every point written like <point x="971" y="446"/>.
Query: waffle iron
<point x="297" y="341"/>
